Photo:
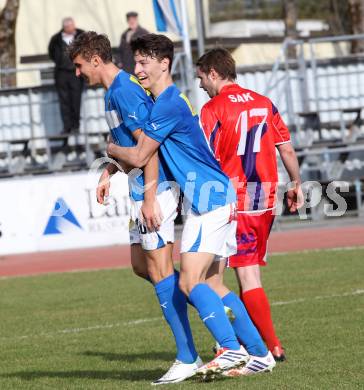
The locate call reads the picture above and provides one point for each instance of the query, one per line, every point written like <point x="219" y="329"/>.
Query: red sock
<point x="257" y="305"/>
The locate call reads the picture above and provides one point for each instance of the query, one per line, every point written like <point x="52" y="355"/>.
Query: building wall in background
<point x="38" y="20"/>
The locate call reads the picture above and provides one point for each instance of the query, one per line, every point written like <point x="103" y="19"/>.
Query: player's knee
<point x="158" y="270"/>
<point x="186" y="285"/>
<point x="183" y="285"/>
<point x="212" y="283"/>
<point x="249" y="277"/>
<point x="218" y="286"/>
<point x="243" y="278"/>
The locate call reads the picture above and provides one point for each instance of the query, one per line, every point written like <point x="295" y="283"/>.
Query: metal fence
<point x="325" y="78"/>
<point x="321" y="96"/>
<point x="30" y="128"/>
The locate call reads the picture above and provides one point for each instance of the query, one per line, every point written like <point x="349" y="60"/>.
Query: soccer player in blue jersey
<point x="209" y="229"/>
<point x="127" y="107"/>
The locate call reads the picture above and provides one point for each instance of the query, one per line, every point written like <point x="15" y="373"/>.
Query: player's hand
<point x="103" y="188"/>
<point x="295" y="198"/>
<point x="151" y="214"/>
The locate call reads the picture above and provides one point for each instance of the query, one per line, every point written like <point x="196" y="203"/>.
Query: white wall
<point x="38" y="20"/>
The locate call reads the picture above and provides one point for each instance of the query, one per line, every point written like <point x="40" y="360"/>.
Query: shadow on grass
<point x="115" y="375"/>
<point x="131" y="357"/>
<point x="118" y="375"/>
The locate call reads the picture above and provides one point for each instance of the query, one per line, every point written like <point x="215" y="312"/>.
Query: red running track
<point x="118" y="256"/>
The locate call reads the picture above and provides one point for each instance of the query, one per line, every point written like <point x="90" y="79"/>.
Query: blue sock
<point x="212" y="313"/>
<point x="243" y="326"/>
<point x="174" y="307"/>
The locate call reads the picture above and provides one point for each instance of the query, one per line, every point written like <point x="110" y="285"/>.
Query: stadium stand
<point x="322" y="101"/>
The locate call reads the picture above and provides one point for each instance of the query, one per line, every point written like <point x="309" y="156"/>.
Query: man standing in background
<point x="68" y="86"/>
<point x="132" y="32"/>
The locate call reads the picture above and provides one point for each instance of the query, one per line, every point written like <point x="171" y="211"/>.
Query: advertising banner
<point x="55" y="212"/>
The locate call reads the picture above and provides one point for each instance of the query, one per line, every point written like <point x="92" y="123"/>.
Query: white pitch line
<point x="108" y="326"/>
<point x="88" y="328"/>
<point x="307" y="251"/>
<point x="153" y="319"/>
<point x="347" y="294"/>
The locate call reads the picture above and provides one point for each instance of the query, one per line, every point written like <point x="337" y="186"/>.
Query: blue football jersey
<point x="127" y="108"/>
<point x="184" y="149"/>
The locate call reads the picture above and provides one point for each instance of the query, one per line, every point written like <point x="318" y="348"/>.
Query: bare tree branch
<point x="290" y="22"/>
<point x="356" y="12"/>
<point x="8" y="17"/>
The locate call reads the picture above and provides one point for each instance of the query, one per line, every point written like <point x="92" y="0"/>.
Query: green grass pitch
<point x="103" y="329"/>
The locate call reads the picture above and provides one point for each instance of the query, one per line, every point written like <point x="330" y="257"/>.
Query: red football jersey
<point x="243" y="129"/>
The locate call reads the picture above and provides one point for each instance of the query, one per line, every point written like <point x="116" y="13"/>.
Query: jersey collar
<point x="228" y="87"/>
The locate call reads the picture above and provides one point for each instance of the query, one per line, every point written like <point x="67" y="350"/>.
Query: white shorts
<point x="211" y="232"/>
<point x="150" y="240"/>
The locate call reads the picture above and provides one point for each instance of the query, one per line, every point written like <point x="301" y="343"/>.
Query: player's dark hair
<point x="154" y="45"/>
<point x="90" y="43"/>
<point x="220" y="60"/>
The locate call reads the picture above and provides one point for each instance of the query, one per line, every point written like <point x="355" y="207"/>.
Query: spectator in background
<point x="68" y="86"/>
<point x="132" y="32"/>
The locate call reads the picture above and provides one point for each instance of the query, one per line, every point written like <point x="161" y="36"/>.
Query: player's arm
<point x="136" y="156"/>
<point x="295" y="197"/>
<point x="131" y="104"/>
<point x="283" y="143"/>
<point x="103" y="187"/>
<point x="150" y="209"/>
<point x="115" y="166"/>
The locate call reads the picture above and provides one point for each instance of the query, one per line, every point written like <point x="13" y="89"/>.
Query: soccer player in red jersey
<point x="244" y="129"/>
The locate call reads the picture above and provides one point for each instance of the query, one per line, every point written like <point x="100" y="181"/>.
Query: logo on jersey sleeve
<point x="133" y="116"/>
<point x="155" y="125"/>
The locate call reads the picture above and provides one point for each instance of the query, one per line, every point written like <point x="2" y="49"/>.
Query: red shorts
<point x="252" y="236"/>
